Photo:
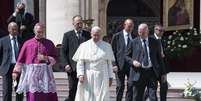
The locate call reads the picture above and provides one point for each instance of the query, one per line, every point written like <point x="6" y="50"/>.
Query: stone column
<point x="103" y="15"/>
<point x="99" y="13"/>
<point x="95" y="12"/>
<point x="59" y="15"/>
<point x="42" y="11"/>
<point x="83" y="8"/>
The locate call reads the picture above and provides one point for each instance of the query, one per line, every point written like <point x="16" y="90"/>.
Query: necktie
<point x="15" y="47"/>
<point x="145" y="60"/>
<point x="79" y="36"/>
<point x="128" y="40"/>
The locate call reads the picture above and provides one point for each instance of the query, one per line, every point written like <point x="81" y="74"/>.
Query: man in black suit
<point x="147" y="65"/>
<point x="120" y="42"/>
<point x="158" y="33"/>
<point x="25" y="22"/>
<point x="9" y="49"/>
<point x="71" y="42"/>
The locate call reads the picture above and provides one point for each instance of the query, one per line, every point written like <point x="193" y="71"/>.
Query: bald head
<point x="143" y="30"/>
<point x="128" y="25"/>
<point x="12" y="28"/>
<point x="96" y="33"/>
<point x="39" y="30"/>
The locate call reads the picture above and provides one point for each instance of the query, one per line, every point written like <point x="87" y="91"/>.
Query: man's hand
<point x="164" y="78"/>
<point x="81" y="78"/>
<point x="41" y="57"/>
<point x="162" y="55"/>
<point x="115" y="69"/>
<point x="14" y="76"/>
<point x="68" y="68"/>
<point x="110" y="82"/>
<point x="22" y="28"/>
<point x="136" y="64"/>
<point x="17" y="9"/>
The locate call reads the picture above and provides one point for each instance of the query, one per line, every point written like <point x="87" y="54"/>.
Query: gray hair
<point x="95" y="29"/>
<point x="142" y="26"/>
<point x="79" y="16"/>
<point x="11" y="24"/>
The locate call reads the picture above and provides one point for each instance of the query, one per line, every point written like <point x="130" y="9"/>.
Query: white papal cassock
<point x="94" y="61"/>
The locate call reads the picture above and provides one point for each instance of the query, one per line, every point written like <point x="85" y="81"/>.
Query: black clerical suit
<point x="70" y="43"/>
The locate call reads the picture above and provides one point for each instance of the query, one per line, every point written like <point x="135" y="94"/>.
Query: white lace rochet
<point x="36" y="78"/>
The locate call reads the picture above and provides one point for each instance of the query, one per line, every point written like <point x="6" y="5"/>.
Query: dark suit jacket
<point x="5" y="54"/>
<point x="120" y="49"/>
<point x="70" y="44"/>
<point x="136" y="52"/>
<point x="26" y="20"/>
<point x="165" y="59"/>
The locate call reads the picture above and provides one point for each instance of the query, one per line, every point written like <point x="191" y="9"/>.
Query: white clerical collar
<point x="157" y="37"/>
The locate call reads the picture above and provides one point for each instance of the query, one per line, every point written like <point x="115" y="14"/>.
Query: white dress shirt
<point x="77" y="33"/>
<point x="126" y="36"/>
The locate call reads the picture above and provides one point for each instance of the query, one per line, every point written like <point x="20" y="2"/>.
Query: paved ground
<point x="176" y="81"/>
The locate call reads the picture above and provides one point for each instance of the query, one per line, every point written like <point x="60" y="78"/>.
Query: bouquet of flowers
<point x="191" y="92"/>
<point x="180" y="43"/>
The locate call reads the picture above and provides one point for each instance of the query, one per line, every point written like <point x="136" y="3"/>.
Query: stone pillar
<point x="103" y="15"/>
<point x="59" y="15"/>
<point x="95" y="12"/>
<point x="99" y="13"/>
<point x="85" y="9"/>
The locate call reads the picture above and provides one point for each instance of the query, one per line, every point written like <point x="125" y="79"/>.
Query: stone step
<point x="64" y="93"/>
<point x="170" y="96"/>
<point x="111" y="99"/>
<point x="174" y="94"/>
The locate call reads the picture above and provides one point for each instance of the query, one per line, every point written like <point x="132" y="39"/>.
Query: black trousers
<point x="7" y="87"/>
<point x="73" y="81"/>
<point x="163" y="91"/>
<point x="120" y="79"/>
<point x="137" y="88"/>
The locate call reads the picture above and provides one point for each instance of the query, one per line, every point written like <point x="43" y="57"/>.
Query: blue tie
<point x="15" y="47"/>
<point x="79" y="33"/>
<point x="145" y="59"/>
